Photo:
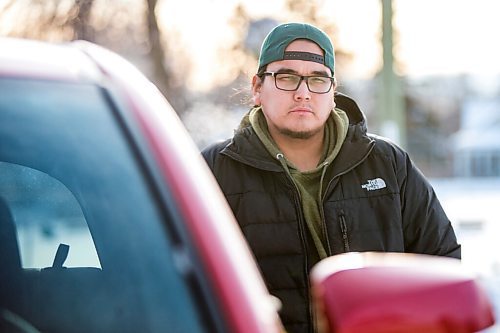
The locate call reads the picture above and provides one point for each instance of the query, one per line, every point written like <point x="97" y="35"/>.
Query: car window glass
<point x="45" y="214"/>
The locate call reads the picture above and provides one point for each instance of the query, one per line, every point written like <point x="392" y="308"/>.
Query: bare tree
<point x="50" y="19"/>
<point x="162" y="75"/>
<point x="82" y="29"/>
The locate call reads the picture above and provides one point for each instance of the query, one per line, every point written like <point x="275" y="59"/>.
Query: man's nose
<point x="302" y="91"/>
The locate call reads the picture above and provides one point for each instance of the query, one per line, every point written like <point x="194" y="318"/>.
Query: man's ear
<point x="256" y="86"/>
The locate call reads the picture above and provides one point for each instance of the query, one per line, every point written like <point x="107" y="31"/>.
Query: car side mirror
<point x="396" y="293"/>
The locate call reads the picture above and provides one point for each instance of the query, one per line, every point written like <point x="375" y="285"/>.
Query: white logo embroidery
<point x="374" y="184"/>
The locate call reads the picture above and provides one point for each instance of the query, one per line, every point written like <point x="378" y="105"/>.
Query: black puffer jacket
<point x="375" y="200"/>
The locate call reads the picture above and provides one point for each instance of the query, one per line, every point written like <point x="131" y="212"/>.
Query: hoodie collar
<point x="336" y="129"/>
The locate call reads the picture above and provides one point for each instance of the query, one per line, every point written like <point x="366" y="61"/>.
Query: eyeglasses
<point x="290" y="82"/>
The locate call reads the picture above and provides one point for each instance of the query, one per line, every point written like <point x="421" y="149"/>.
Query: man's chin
<point x="295" y="134"/>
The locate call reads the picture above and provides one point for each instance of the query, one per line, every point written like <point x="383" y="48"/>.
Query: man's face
<point x="298" y="114"/>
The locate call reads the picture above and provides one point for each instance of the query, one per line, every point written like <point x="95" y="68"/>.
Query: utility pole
<point x="391" y="105"/>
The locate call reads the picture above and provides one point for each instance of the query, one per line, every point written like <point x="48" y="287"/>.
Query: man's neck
<point x="305" y="154"/>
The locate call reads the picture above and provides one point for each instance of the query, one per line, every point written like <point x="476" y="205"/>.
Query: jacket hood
<point x="357" y="119"/>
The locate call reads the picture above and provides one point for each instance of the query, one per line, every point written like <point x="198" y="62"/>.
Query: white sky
<point x="433" y="36"/>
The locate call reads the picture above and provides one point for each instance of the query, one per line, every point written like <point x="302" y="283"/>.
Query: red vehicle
<point x="110" y="220"/>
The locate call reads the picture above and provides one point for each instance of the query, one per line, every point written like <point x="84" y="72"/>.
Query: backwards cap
<point x="275" y="43"/>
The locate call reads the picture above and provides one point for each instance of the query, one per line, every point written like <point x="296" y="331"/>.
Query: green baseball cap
<point x="275" y="43"/>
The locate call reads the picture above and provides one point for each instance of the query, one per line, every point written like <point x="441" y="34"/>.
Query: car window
<point x="83" y="245"/>
<point x="45" y="214"/>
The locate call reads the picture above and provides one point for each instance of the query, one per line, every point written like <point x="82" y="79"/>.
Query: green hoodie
<point x="310" y="183"/>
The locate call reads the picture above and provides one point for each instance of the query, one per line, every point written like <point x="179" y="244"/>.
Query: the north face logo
<point x="374" y="184"/>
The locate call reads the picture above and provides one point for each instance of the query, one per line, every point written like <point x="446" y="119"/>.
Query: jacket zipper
<point x="304" y="245"/>
<point x="343" y="229"/>
<point x="296" y="196"/>
<point x="325" y="231"/>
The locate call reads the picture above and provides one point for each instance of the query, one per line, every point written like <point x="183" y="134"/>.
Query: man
<point x="305" y="180"/>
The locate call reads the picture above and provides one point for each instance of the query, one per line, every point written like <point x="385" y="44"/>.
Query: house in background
<point x="476" y="146"/>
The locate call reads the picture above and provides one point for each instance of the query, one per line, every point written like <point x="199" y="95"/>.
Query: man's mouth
<point x="301" y="110"/>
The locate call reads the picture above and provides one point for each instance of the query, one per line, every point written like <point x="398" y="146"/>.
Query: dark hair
<point x="261" y="70"/>
<point x="260" y="73"/>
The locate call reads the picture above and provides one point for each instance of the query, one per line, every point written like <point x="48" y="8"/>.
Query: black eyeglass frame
<point x="302" y="78"/>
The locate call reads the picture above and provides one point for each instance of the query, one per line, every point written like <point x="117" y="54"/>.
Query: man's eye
<point x="285" y="77"/>
<point x="318" y="80"/>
